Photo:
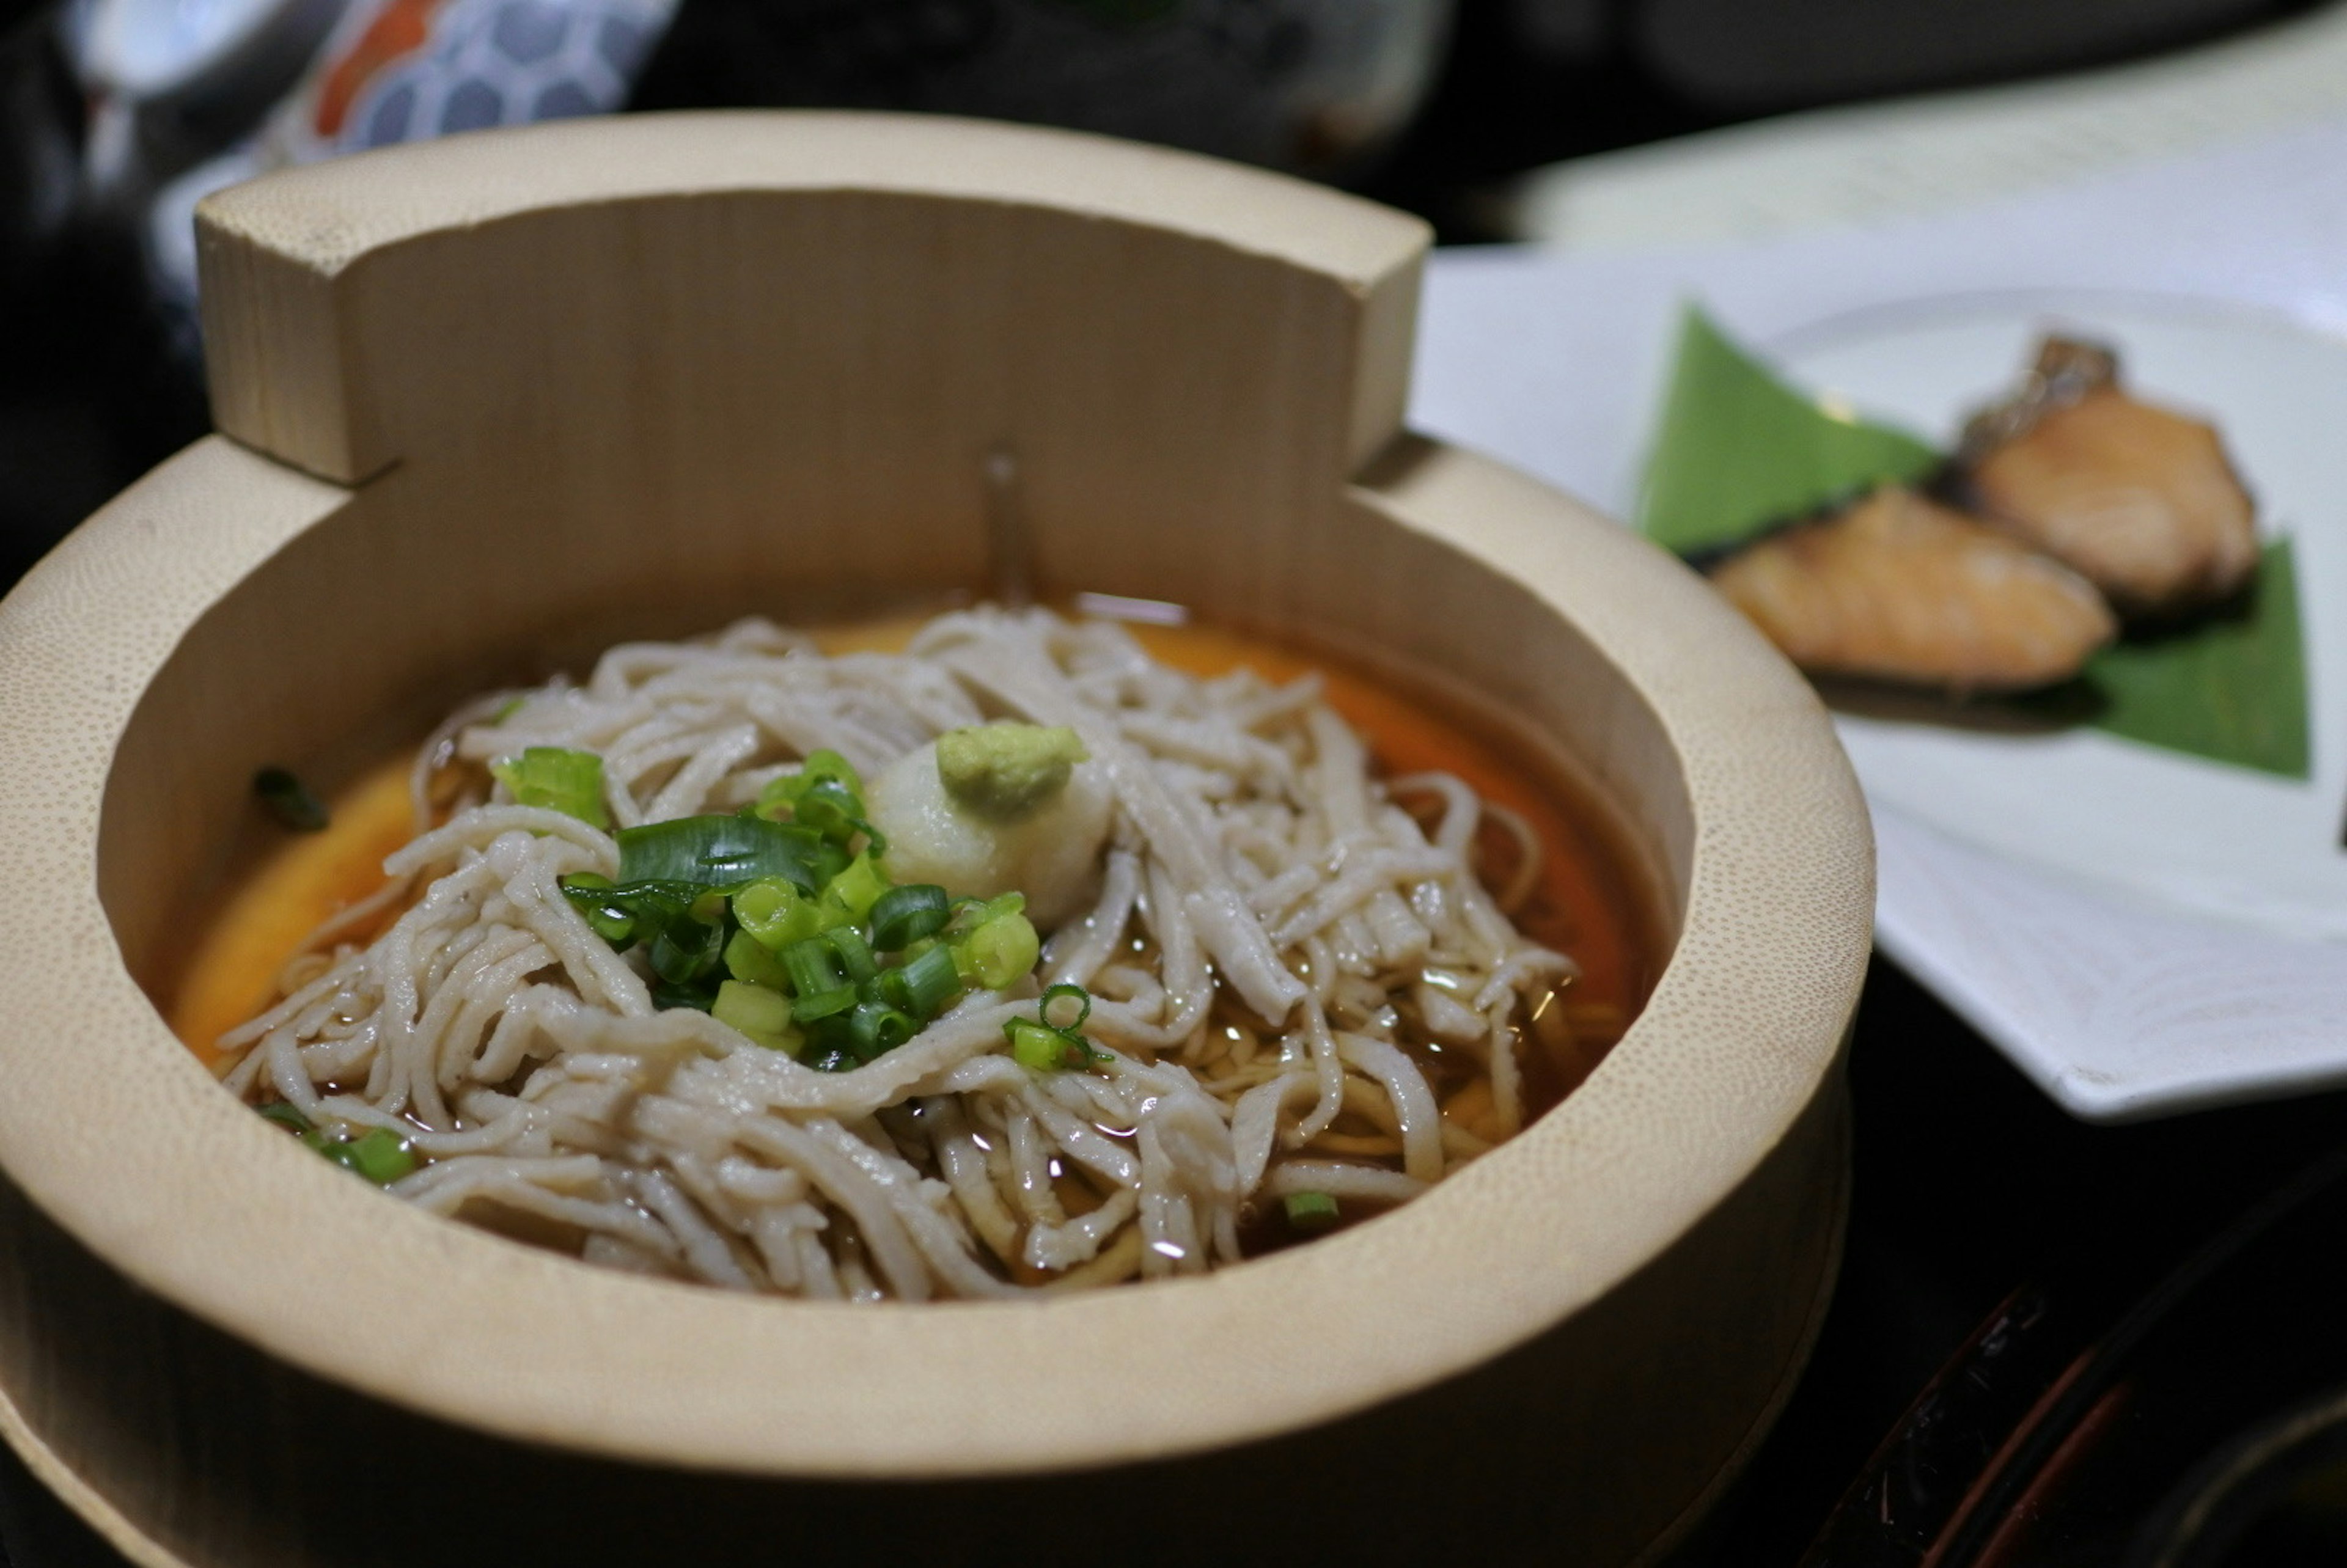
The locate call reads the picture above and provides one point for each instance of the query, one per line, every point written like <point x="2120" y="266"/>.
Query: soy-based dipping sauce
<point x="1591" y="899"/>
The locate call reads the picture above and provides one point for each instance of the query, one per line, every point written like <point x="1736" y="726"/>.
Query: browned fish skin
<point x="2139" y="500"/>
<point x="1898" y="587"/>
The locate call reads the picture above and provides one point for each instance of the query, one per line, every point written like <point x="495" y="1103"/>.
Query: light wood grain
<point x="498" y="400"/>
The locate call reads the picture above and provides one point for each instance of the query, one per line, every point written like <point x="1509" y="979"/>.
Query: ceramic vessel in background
<point x="490" y="403"/>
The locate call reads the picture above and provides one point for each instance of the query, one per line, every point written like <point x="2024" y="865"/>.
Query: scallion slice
<point x="1310" y="1211"/>
<point x="813" y="966"/>
<point x="854" y="954"/>
<point x="719" y="852"/>
<point x="875" y="1028"/>
<point x="557" y="779"/>
<point x="381" y="1155"/>
<point x="998" y="951"/>
<point x="747" y="960"/>
<point x="1037" y="1047"/>
<point x="1077" y="994"/>
<point x="858" y="888"/>
<point x="287" y="1115"/>
<point x="1040" y="1044"/>
<point x="903" y="916"/>
<point x="814" y="1008"/>
<point x="685" y="950"/>
<point x="930" y="982"/>
<point x="777" y="913"/>
<point x="761" y="1014"/>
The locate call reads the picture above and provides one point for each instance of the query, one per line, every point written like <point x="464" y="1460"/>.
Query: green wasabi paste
<point x="1006" y="773"/>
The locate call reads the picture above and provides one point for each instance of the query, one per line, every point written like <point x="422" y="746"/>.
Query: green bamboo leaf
<point x="2232" y="689"/>
<point x="1739" y="449"/>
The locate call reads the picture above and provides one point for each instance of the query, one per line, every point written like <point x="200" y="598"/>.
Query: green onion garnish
<point x="1310" y="1211"/>
<point x="748" y="960"/>
<point x="854" y="892"/>
<point x="930" y="982"/>
<point x="700" y="998"/>
<point x="289" y="800"/>
<point x="557" y="779"/>
<point x="1043" y="1046"/>
<point x="855" y="953"/>
<point x="903" y="916"/>
<point x="761" y="1014"/>
<point x="379" y="1154"/>
<point x="1037" y="1047"/>
<point x="686" y="951"/>
<point x="875" y="1027"/>
<point x="825" y="797"/>
<point x="998" y="951"/>
<point x="720" y="852"/>
<point x="813" y="967"/>
<point x="815" y="1006"/>
<point x="1077" y="994"/>
<point x="777" y="913"/>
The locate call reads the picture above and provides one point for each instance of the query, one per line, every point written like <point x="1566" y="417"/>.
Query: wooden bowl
<point x="493" y="401"/>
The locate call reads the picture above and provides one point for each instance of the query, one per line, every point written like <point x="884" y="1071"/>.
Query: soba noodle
<point x="1278" y="957"/>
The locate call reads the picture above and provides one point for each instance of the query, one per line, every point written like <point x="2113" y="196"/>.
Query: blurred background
<point x="1997" y="1248"/>
<point x="1560" y="120"/>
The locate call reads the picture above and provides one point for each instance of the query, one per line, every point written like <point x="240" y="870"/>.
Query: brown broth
<point x="1590" y="900"/>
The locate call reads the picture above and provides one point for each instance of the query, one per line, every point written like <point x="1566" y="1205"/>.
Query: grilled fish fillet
<point x="2140" y="501"/>
<point x="1898" y="587"/>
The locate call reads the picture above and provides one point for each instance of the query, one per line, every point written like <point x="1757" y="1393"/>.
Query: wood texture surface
<point x="499" y="400"/>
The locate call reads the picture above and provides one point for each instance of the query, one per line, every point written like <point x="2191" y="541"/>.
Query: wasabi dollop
<point x="1006" y="773"/>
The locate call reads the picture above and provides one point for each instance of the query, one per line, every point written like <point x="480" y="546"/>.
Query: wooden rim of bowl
<point x="113" y="1129"/>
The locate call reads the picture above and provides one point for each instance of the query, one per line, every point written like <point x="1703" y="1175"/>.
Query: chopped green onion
<point x="903" y="916"/>
<point x="637" y="911"/>
<point x="998" y="951"/>
<point x="857" y="888"/>
<point x="1038" y="1047"/>
<point x="507" y="709"/>
<point x="854" y="954"/>
<point x="875" y="1028"/>
<point x="1082" y="999"/>
<point x="289" y="800"/>
<point x="699" y="998"/>
<point x="823" y="796"/>
<point x="686" y="951"/>
<point x="748" y="960"/>
<point x="814" y="967"/>
<point x="815" y="1006"/>
<point x="777" y="913"/>
<point x="760" y="1013"/>
<point x="381" y="1155"/>
<point x="719" y="852"/>
<point x="830" y="808"/>
<point x="1040" y="1044"/>
<point x="595" y="899"/>
<point x="930" y="982"/>
<point x="557" y="779"/>
<point x="782" y="794"/>
<point x="1310" y="1211"/>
